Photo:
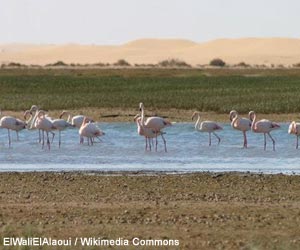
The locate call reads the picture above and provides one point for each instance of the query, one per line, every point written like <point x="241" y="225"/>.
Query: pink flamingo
<point x="241" y="124"/>
<point x="156" y="124"/>
<point x="76" y="120"/>
<point x="207" y="126"/>
<point x="60" y="124"/>
<point x="263" y="126"/>
<point x="148" y="133"/>
<point x="43" y="123"/>
<point x="89" y="130"/>
<point x="294" y="129"/>
<point x="12" y="123"/>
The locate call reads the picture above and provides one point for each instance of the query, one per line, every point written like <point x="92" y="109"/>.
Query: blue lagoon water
<point x="122" y="149"/>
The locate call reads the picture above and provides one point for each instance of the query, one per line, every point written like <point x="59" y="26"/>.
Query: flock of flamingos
<point x="150" y="128"/>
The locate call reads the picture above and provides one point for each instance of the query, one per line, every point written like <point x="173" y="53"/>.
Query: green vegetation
<point x="219" y="90"/>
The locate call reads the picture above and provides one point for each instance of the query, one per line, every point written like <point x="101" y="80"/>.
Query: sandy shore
<point x="173" y="115"/>
<point x="202" y="211"/>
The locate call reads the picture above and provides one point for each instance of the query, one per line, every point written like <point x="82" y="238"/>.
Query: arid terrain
<point x="202" y="211"/>
<point x="277" y="51"/>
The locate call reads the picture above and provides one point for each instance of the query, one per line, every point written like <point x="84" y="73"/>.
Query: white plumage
<point x="241" y="124"/>
<point x="294" y="129"/>
<point x="156" y="124"/>
<point x="89" y="130"/>
<point x="207" y="126"/>
<point x="263" y="126"/>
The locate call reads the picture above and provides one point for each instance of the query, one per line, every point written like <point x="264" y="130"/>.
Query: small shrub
<point x="242" y="64"/>
<point x="217" y="62"/>
<point x="296" y="65"/>
<point x="99" y="64"/>
<point x="57" y="64"/>
<point x="122" y="63"/>
<point x="173" y="63"/>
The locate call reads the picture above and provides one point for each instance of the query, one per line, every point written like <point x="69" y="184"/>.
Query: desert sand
<point x="285" y="51"/>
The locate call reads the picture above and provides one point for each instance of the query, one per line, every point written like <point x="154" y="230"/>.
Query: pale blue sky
<point x="120" y="21"/>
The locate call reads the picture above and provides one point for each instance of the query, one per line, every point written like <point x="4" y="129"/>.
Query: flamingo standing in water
<point x="76" y="121"/>
<point x="43" y="123"/>
<point x="32" y="122"/>
<point x="294" y="129"/>
<point x="207" y="126"/>
<point x="60" y="124"/>
<point x="89" y="130"/>
<point x="148" y="133"/>
<point x="12" y="123"/>
<point x="241" y="124"/>
<point x="263" y="126"/>
<point x="156" y="124"/>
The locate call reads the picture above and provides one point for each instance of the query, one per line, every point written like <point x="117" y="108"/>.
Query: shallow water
<point x="122" y="149"/>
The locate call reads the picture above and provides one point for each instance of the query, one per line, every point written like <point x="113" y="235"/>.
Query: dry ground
<point x="203" y="211"/>
<point x="174" y="115"/>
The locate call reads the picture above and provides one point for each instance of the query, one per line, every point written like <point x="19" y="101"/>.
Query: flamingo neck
<point x="234" y="120"/>
<point x="34" y="119"/>
<point x="197" y="122"/>
<point x="142" y="115"/>
<point x="28" y="121"/>
<point x="253" y="125"/>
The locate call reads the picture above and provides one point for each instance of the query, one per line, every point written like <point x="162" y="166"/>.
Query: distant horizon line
<point x="146" y="38"/>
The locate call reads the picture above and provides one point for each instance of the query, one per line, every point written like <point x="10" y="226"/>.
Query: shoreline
<point x="151" y="173"/>
<point x="173" y="115"/>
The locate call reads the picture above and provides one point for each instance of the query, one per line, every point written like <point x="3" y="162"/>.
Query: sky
<point x="119" y="21"/>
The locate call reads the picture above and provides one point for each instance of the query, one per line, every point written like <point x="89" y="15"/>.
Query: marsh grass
<point x="220" y="91"/>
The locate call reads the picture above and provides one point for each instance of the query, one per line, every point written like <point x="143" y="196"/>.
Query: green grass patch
<point x="264" y="91"/>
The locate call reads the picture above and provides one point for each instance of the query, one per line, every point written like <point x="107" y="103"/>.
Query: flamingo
<point x="76" y="120"/>
<point x="207" y="126"/>
<point x="46" y="125"/>
<point x="12" y="123"/>
<point x="60" y="124"/>
<point x="89" y="130"/>
<point x="156" y="124"/>
<point x="294" y="129"/>
<point x="241" y="124"/>
<point x="31" y="123"/>
<point x="263" y="126"/>
<point x="148" y="133"/>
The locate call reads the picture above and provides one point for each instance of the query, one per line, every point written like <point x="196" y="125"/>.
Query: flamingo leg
<point x="156" y="142"/>
<point x="48" y="141"/>
<point x="209" y="143"/>
<point x="40" y="137"/>
<point x="265" y="141"/>
<point x="9" y="139"/>
<point x="149" y="141"/>
<point x="59" y="139"/>
<point x="245" y="139"/>
<point x="43" y="139"/>
<point x="146" y="146"/>
<point x="297" y="141"/>
<point x="219" y="139"/>
<point x="165" y="142"/>
<point x="92" y="143"/>
<point x="272" y="141"/>
<point x="53" y="134"/>
<point x="17" y="132"/>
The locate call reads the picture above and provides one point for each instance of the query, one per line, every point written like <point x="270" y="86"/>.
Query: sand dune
<point x="284" y="51"/>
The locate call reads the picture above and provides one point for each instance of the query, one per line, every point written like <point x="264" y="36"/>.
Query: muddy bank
<point x="202" y="211"/>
